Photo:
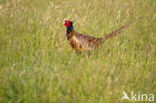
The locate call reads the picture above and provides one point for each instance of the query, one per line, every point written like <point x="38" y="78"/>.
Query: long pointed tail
<point x="115" y="32"/>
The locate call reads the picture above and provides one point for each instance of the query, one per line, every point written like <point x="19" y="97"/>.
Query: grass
<point x="37" y="65"/>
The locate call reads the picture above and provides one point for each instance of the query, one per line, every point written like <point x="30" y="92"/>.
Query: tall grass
<point x="37" y="65"/>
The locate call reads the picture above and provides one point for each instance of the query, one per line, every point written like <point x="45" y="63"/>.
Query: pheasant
<point x="82" y="42"/>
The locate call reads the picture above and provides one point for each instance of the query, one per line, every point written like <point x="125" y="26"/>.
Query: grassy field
<point x="37" y="65"/>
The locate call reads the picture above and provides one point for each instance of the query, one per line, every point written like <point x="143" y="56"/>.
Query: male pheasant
<point x="82" y="42"/>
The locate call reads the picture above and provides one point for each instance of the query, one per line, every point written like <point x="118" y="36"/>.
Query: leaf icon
<point x="125" y="96"/>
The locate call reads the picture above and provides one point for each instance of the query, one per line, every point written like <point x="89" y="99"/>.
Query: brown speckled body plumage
<point x="82" y="42"/>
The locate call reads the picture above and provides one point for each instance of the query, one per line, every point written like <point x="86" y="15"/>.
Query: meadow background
<point x="37" y="65"/>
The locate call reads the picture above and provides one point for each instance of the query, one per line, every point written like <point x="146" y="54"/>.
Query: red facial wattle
<point x="67" y="23"/>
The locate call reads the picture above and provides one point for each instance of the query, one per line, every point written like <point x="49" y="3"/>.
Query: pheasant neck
<point x="70" y="29"/>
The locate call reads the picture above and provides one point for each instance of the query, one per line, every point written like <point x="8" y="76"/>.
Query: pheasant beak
<point x="64" y="23"/>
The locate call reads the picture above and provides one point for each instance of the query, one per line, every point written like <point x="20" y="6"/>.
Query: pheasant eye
<point x="67" y="24"/>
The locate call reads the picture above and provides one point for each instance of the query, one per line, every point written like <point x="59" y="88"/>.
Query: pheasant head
<point x="69" y="25"/>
